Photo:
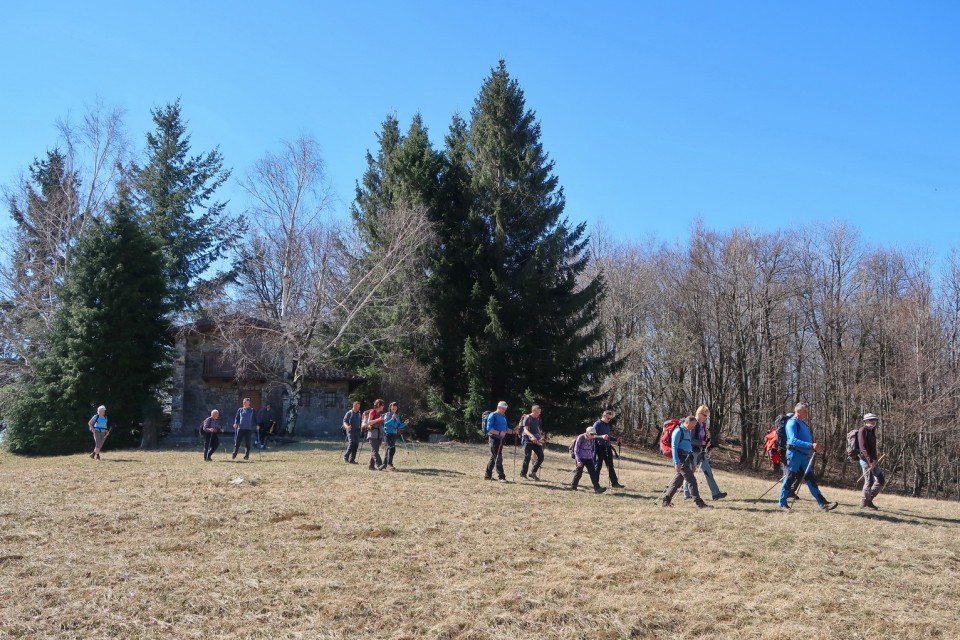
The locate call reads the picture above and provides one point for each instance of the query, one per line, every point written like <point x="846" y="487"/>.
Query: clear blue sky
<point x="759" y="114"/>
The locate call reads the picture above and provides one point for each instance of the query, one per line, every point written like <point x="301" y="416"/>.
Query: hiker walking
<point x="583" y="451"/>
<point x="391" y="427"/>
<point x="99" y="427"/>
<point x="210" y="428"/>
<point x="497" y="429"/>
<point x="532" y="442"/>
<point x="243" y="424"/>
<point x="701" y="447"/>
<point x="351" y="424"/>
<point x="263" y="423"/>
<point x="873" y="478"/>
<point x="800" y="451"/>
<point x="681" y="445"/>
<point x="375" y="433"/>
<point x="604" y="447"/>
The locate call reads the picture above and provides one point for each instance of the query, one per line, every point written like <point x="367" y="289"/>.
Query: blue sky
<point x="755" y="114"/>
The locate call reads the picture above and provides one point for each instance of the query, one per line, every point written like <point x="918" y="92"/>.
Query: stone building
<point x="204" y="380"/>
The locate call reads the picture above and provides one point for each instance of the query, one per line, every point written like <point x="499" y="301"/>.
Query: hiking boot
<point x="390" y="467"/>
<point x="502" y="479"/>
<point x="523" y="475"/>
<point x="599" y="489"/>
<point x="828" y="506"/>
<point x="381" y="467"/>
<point x="572" y="487"/>
<point x="703" y="505"/>
<point x="868" y="504"/>
<point x="98" y="456"/>
<point x="246" y="456"/>
<point x="534" y="476"/>
<point x="93" y="454"/>
<point x="720" y="496"/>
<point x="783" y="508"/>
<point x="665" y="503"/>
<point x="372" y="466"/>
<point x="617" y="485"/>
<point x="488" y="477"/>
<point x="234" y="456"/>
<point x="688" y="497"/>
<point x="793" y="495"/>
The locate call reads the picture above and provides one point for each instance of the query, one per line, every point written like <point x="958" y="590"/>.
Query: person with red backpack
<point x="800" y="451"/>
<point x="873" y="478"/>
<point x="681" y="451"/>
<point x="701" y="447"/>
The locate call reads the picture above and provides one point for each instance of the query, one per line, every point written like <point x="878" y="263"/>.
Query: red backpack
<point x="665" y="444"/>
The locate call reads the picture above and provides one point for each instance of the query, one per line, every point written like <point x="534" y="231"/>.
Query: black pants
<point x="210" y="443"/>
<point x="591" y="469"/>
<point x="350" y="455"/>
<point x="242" y="434"/>
<point x="605" y="454"/>
<point x="391" y="448"/>
<point x="528" y="451"/>
<point x="496" y="458"/>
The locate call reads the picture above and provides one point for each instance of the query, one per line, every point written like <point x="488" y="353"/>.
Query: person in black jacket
<point x="873" y="479"/>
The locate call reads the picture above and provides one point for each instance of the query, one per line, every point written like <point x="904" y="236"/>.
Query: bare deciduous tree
<point x="306" y="286"/>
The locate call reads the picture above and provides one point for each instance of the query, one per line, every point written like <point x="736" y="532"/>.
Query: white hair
<point x="101" y="408"/>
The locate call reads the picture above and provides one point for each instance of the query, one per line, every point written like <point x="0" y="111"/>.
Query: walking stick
<point x="405" y="448"/>
<point x="863" y="478"/>
<point x="514" y="456"/>
<point x="346" y="444"/>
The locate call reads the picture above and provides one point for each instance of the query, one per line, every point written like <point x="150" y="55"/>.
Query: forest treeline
<point x="751" y="323"/>
<point x="456" y="281"/>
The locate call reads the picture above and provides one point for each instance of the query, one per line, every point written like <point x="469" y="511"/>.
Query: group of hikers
<point x="686" y="442"/>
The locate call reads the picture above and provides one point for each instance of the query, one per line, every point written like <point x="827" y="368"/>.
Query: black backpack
<point x="781" y="424"/>
<point x="853" y="445"/>
<point x="483" y="421"/>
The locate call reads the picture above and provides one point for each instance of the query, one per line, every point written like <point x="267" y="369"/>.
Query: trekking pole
<point x="778" y="482"/>
<point x="346" y="444"/>
<point x="863" y="478"/>
<point x="514" y="457"/>
<point x="802" y="478"/>
<point x="407" y="449"/>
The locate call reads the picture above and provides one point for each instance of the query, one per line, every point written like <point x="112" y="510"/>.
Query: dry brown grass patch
<point x="162" y="545"/>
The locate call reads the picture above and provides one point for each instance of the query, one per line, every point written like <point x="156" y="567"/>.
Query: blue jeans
<point x="797" y="462"/>
<point x="700" y="458"/>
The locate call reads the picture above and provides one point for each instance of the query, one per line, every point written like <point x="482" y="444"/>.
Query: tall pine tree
<point x="108" y="343"/>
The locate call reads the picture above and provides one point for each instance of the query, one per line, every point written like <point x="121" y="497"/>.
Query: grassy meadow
<point x="301" y="545"/>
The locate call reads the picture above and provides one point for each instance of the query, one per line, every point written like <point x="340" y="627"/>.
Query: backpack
<point x="666" y="447"/>
<point x="364" y="417"/>
<point x="770" y="446"/>
<point x="781" y="425"/>
<point x="573" y="448"/>
<point x="483" y="421"/>
<point x="853" y="445"/>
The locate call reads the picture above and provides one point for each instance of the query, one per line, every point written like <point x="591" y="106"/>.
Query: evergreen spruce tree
<point x="108" y="344"/>
<point x="176" y="193"/>
<point x="540" y="319"/>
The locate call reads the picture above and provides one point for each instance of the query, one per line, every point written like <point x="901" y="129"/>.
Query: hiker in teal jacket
<point x="681" y="443"/>
<point x="800" y="449"/>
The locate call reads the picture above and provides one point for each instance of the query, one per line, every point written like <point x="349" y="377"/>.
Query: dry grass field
<point x="300" y="545"/>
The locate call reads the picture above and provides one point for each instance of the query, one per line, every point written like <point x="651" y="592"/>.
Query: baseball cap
<point x="870" y="416"/>
<point x="501" y="405"/>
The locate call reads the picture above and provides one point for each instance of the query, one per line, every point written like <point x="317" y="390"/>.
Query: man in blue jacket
<point x="497" y="429"/>
<point x="800" y="450"/>
<point x="681" y="443"/>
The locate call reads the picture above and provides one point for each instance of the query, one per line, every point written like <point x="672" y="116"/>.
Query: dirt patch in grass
<point x="166" y="547"/>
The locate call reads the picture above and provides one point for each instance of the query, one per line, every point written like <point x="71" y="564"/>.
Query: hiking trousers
<point x="685" y="474"/>
<point x="591" y="469"/>
<point x="700" y="458"/>
<point x="496" y="458"/>
<point x="873" y="482"/>
<point x="375" y="460"/>
<point x="605" y="455"/>
<point x="210" y="443"/>
<point x="244" y="435"/>
<point x="529" y="450"/>
<point x="391" y="448"/>
<point x="796" y="467"/>
<point x="351" y="453"/>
